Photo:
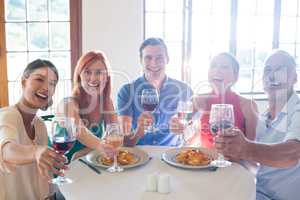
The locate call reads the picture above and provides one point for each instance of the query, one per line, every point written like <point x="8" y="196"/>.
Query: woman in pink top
<point x="222" y="75"/>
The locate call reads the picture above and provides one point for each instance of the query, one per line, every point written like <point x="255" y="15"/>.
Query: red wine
<point x="217" y="127"/>
<point x="63" y="146"/>
<point x="149" y="107"/>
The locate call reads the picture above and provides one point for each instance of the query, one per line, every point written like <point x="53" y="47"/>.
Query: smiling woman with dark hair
<point x="25" y="159"/>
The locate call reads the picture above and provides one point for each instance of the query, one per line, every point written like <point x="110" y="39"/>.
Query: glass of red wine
<point x="221" y="118"/>
<point x="149" y="101"/>
<point x="114" y="136"/>
<point x="63" y="137"/>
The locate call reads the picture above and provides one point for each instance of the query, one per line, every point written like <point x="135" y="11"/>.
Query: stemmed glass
<point x="184" y="114"/>
<point x="221" y="118"/>
<point x="63" y="137"/>
<point x="114" y="137"/>
<point x="149" y="101"/>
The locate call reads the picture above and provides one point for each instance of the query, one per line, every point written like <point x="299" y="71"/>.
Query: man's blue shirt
<point x="171" y="91"/>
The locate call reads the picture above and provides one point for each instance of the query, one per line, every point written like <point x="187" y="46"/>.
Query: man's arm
<point x="131" y="138"/>
<point x="280" y="155"/>
<point x="238" y="147"/>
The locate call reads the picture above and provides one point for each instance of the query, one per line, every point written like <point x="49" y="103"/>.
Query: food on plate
<point x="124" y="158"/>
<point x="193" y="157"/>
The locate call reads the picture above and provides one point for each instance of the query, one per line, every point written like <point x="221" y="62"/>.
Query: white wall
<point x="115" y="27"/>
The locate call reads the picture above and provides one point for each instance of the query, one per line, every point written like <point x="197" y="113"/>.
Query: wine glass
<point x="221" y="118"/>
<point x="149" y="101"/>
<point x="63" y="137"/>
<point x="184" y="114"/>
<point x="114" y="137"/>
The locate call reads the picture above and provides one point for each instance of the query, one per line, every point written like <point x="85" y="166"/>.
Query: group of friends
<point x="271" y="139"/>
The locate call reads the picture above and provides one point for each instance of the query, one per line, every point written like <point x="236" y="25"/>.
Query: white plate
<point x="142" y="157"/>
<point x="170" y="157"/>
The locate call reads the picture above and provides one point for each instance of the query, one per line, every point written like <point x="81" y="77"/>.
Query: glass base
<point x="221" y="163"/>
<point x="115" y="169"/>
<point x="61" y="180"/>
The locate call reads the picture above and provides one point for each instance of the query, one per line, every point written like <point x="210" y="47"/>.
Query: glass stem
<point x="60" y="177"/>
<point x="115" y="160"/>
<point x="220" y="157"/>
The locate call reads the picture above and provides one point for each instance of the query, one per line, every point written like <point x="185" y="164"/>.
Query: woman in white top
<point x="24" y="155"/>
<point x="25" y="159"/>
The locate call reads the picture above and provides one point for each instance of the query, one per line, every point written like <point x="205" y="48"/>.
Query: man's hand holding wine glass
<point x="232" y="144"/>
<point x="145" y="120"/>
<point x="150" y="102"/>
<point x="176" y="125"/>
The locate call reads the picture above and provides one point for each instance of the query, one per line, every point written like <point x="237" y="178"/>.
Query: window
<point x="39" y="29"/>
<point x="247" y="29"/>
<point x="164" y="19"/>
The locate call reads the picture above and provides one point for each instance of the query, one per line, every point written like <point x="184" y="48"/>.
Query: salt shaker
<point x="152" y="182"/>
<point x="163" y="183"/>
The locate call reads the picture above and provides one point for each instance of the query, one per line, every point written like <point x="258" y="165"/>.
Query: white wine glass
<point x="184" y="114"/>
<point x="114" y="137"/>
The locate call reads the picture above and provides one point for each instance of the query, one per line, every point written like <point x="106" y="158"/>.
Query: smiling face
<point x="39" y="87"/>
<point x="222" y="74"/>
<point x="94" y="78"/>
<point x="279" y="74"/>
<point x="154" y="60"/>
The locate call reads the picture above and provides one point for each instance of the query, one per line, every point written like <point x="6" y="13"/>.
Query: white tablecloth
<point x="232" y="183"/>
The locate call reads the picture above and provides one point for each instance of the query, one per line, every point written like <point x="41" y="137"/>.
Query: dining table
<point x="230" y="183"/>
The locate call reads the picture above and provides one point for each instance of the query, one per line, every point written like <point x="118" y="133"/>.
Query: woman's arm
<point x="70" y="108"/>
<point x="46" y="158"/>
<point x="110" y="115"/>
<point x="81" y="153"/>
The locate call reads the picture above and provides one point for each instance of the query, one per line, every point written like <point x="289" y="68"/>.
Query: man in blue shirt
<point x="277" y="148"/>
<point x="154" y="58"/>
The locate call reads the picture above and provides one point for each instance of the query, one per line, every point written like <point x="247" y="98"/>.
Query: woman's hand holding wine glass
<point x="63" y="137"/>
<point x="114" y="137"/>
<point x="49" y="160"/>
<point x="179" y="122"/>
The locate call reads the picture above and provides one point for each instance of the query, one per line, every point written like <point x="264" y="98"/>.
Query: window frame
<point x="75" y="45"/>
<point x="186" y="38"/>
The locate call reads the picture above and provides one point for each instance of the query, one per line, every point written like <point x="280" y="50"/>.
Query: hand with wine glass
<point x="184" y="117"/>
<point x="47" y="160"/>
<point x="63" y="137"/>
<point x="221" y="120"/>
<point x="149" y="102"/>
<point x="114" y="137"/>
